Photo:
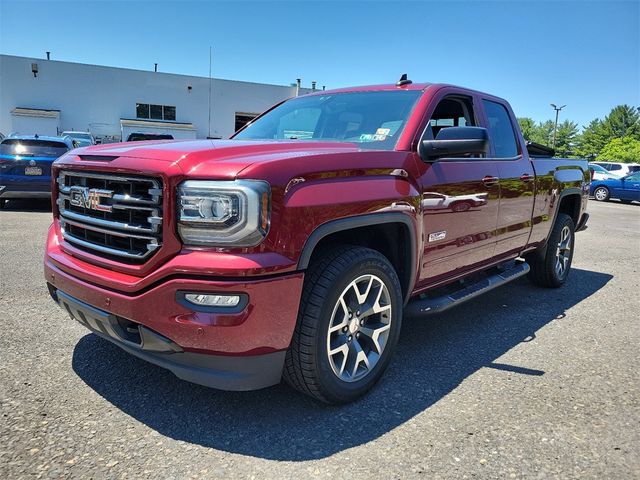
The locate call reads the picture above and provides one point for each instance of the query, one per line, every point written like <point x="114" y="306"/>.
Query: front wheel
<point x="601" y="194"/>
<point x="3" y="202"/>
<point x="551" y="267"/>
<point x="348" y="325"/>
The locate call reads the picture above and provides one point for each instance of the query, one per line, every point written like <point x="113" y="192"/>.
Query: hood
<point x="226" y="158"/>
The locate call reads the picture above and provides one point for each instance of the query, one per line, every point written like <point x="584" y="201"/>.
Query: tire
<point x="326" y="359"/>
<point x="601" y="194"/>
<point x="460" y="207"/>
<point x="3" y="202"/>
<point x="550" y="268"/>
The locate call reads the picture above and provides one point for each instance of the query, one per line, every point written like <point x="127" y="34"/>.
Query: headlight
<point x="223" y="213"/>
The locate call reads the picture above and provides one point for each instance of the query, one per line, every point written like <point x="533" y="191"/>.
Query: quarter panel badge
<point x="436" y="236"/>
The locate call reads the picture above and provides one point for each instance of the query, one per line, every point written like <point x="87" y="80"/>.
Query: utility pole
<point x="555" y="129"/>
<point x="209" y="130"/>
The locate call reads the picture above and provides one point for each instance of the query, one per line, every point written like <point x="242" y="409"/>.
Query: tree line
<point x="615" y="138"/>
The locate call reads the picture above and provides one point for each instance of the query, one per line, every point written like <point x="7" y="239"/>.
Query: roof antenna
<point x="403" y="81"/>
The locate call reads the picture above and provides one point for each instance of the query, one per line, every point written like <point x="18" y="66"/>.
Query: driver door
<point x="460" y="226"/>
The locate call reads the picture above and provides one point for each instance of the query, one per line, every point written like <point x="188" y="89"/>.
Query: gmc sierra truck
<point x="295" y="249"/>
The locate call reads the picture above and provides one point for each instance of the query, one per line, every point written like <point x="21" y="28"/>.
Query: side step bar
<point x="428" y="306"/>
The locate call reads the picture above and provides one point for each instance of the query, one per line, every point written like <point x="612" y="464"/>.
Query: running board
<point x="429" y="306"/>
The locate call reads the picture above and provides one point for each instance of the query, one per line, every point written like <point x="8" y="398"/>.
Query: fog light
<point x="207" y="300"/>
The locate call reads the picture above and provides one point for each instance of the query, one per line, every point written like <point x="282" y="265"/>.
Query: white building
<point x="48" y="97"/>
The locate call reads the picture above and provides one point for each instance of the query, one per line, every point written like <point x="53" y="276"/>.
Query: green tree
<point x="528" y="127"/>
<point x="566" y="138"/>
<point x="624" y="149"/>
<point x="623" y="121"/>
<point x="592" y="140"/>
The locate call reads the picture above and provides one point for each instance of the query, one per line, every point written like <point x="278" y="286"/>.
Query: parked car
<point x="619" y="169"/>
<point x="296" y="248"/>
<point x="25" y="165"/>
<point x="136" y="137"/>
<point x="627" y="188"/>
<point x="600" y="173"/>
<point x="82" y="139"/>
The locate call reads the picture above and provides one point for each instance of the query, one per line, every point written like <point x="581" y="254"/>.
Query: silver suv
<point x="619" y="169"/>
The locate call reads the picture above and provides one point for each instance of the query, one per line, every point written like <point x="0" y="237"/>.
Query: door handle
<point x="525" y="177"/>
<point x="490" y="181"/>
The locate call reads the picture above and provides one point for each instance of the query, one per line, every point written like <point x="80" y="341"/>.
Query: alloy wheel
<point x="359" y="328"/>
<point x="563" y="252"/>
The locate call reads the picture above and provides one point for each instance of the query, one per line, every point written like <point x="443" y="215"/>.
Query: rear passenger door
<point x="517" y="179"/>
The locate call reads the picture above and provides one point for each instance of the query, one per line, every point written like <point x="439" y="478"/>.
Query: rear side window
<point x="613" y="166"/>
<point x="32" y="148"/>
<point x="500" y="130"/>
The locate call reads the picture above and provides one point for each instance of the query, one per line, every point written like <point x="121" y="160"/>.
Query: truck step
<point x="431" y="305"/>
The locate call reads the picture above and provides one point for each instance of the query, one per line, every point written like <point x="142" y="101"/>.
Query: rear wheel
<point x="348" y="325"/>
<point x="551" y="267"/>
<point x="601" y="194"/>
<point x="3" y="202"/>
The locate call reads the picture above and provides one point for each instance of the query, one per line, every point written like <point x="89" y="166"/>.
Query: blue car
<point x="627" y="188"/>
<point x="25" y="165"/>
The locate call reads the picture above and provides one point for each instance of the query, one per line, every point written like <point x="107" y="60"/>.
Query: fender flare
<point x="359" y="221"/>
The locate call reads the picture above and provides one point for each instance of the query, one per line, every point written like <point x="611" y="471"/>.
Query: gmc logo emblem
<point x="90" y="198"/>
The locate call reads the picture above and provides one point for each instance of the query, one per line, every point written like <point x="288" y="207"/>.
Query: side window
<point x="450" y="112"/>
<point x="500" y="130"/>
<point x="613" y="166"/>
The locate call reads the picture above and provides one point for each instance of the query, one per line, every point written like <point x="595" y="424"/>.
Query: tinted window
<point x="500" y="130"/>
<point x="156" y="112"/>
<point x="168" y="112"/>
<point x="32" y="148"/>
<point x="370" y="119"/>
<point x="613" y="166"/>
<point x="142" y="110"/>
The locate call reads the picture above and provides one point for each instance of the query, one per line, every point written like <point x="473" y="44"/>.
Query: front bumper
<point x="240" y="350"/>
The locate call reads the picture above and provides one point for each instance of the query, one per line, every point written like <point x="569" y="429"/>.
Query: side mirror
<point x="455" y="142"/>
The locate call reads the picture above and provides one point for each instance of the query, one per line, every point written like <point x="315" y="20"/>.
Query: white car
<point x="600" y="173"/>
<point x="619" y="169"/>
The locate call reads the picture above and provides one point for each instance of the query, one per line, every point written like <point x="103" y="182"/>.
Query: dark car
<point x="627" y="188"/>
<point x="25" y="165"/>
<point x="137" y="137"/>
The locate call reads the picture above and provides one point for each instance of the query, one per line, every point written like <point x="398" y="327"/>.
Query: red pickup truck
<point x="295" y="249"/>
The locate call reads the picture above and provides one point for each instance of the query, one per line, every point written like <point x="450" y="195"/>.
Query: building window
<point x="243" y="118"/>
<point x="156" y="112"/>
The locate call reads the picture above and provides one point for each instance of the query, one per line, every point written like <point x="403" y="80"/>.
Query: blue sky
<point x="585" y="54"/>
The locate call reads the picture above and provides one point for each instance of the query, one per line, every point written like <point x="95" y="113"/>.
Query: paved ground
<point x="522" y="383"/>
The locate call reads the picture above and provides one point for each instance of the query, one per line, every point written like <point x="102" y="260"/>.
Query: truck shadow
<point x="433" y="358"/>
<point x="34" y="205"/>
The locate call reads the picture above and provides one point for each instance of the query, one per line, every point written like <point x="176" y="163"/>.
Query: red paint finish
<point x="466" y="215"/>
<point x="264" y="326"/>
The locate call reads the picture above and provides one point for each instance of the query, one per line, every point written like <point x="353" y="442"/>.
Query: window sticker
<point x="379" y="138"/>
<point x="383" y="131"/>
<point x="366" y="137"/>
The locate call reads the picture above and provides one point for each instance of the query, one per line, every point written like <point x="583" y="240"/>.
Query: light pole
<point x="555" y="129"/>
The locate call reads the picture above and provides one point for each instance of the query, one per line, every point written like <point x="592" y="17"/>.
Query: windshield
<point x="32" y="148"/>
<point x="370" y="119"/>
<point x="80" y="136"/>
<point x="598" y="168"/>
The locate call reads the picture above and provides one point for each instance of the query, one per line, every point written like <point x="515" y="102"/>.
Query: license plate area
<point x="32" y="170"/>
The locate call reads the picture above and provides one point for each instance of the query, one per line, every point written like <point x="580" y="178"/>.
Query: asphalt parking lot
<point x="521" y="383"/>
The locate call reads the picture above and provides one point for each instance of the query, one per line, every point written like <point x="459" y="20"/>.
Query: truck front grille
<point x="114" y="216"/>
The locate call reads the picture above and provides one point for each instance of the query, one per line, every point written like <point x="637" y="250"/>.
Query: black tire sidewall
<point x="333" y="388"/>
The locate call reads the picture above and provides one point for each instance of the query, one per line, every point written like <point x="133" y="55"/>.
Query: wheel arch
<point x="391" y="234"/>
